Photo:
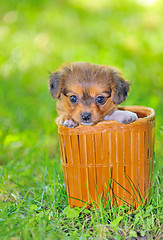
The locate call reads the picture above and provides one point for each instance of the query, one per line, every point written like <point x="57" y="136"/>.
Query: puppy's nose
<point x="86" y="116"/>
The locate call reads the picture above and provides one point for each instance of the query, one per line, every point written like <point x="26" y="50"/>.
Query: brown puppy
<point x="89" y="93"/>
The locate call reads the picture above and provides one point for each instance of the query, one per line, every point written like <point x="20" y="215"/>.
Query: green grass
<point x="35" y="38"/>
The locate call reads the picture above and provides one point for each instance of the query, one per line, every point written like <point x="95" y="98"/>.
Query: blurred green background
<point x="36" y="37"/>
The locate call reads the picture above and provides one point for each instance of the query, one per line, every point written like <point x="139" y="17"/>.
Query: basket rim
<point x="110" y="124"/>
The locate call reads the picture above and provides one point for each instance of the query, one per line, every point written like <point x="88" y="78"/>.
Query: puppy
<point x="89" y="93"/>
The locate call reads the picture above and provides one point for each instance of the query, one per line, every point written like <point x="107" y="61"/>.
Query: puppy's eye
<point x="73" y="99"/>
<point x="100" y="100"/>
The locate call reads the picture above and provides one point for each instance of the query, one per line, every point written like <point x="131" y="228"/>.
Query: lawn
<point x="35" y="38"/>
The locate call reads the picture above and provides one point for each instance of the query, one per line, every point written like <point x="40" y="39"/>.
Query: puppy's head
<point x="87" y="92"/>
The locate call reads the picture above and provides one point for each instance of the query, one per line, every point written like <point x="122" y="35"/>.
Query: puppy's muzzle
<point x="86" y="117"/>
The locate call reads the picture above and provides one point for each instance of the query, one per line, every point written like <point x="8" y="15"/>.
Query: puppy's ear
<point x="57" y="79"/>
<point x="120" y="87"/>
<point x="55" y="84"/>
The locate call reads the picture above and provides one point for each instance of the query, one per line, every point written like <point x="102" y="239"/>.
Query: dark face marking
<point x="108" y="93"/>
<point x="65" y="92"/>
<point x="87" y="99"/>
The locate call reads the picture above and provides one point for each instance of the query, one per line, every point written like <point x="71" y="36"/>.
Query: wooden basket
<point x="109" y="159"/>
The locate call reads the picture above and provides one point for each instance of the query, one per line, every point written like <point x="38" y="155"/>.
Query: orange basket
<point x="109" y="158"/>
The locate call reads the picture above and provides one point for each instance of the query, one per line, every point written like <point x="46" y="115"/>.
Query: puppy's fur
<point x="89" y="93"/>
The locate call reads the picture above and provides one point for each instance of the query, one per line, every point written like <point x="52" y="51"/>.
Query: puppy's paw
<point x="124" y="117"/>
<point x="69" y="123"/>
<point x="66" y="121"/>
<point x="130" y="117"/>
